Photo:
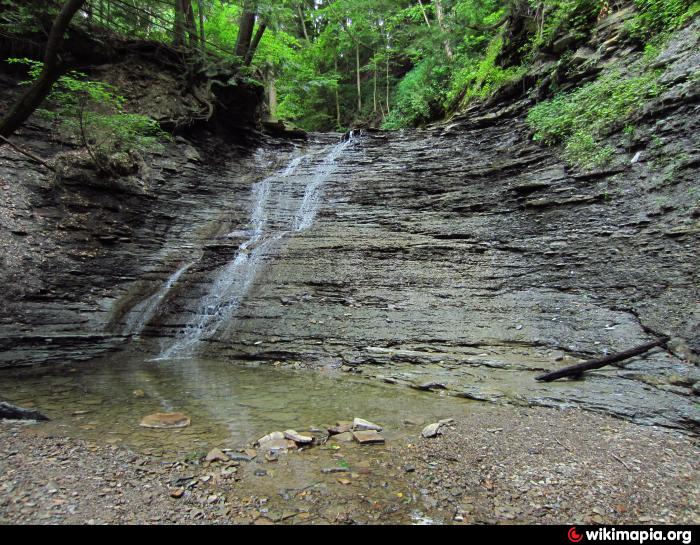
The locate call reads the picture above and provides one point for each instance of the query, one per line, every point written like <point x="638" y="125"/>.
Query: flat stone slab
<point x="275" y="435"/>
<point x="340" y="427"/>
<point x="368" y="437"/>
<point x="165" y="420"/>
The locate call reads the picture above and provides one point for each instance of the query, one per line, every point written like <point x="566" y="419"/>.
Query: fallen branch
<point x="27" y="153"/>
<point x="12" y="412"/>
<point x="621" y="461"/>
<point x="575" y="370"/>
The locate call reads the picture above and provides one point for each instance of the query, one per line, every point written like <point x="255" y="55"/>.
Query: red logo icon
<point x="573" y="535"/>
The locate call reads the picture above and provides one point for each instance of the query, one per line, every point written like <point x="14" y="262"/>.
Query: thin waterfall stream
<point x="278" y="210"/>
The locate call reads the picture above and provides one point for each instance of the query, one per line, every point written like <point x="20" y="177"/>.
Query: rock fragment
<point x="431" y="430"/>
<point x="368" y="437"/>
<point x="297" y="437"/>
<point x="359" y="424"/>
<point x="216" y="455"/>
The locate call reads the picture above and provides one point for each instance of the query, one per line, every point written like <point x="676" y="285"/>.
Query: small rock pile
<point x="359" y="430"/>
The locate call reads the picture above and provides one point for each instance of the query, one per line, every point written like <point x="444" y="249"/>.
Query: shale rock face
<point x="468" y="256"/>
<point x="462" y="255"/>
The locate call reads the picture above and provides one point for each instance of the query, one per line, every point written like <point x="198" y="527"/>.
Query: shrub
<point x="92" y="113"/>
<point x="419" y="95"/>
<point x="656" y="16"/>
<point x="580" y="119"/>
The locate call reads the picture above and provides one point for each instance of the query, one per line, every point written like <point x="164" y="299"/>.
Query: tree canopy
<point x="331" y="64"/>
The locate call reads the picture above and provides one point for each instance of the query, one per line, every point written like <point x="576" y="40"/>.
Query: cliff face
<point x="72" y="243"/>
<point x="462" y="254"/>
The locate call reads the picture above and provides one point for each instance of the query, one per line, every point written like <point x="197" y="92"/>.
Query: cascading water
<point x="142" y="313"/>
<point x="278" y="210"/>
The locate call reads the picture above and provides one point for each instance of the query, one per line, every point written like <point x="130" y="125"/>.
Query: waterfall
<point x="142" y="313"/>
<point x="278" y="210"/>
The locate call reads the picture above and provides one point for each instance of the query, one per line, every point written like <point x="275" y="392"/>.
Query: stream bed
<point x="230" y="404"/>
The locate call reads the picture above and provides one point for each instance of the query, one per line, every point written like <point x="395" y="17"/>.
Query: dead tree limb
<point x="579" y="368"/>
<point x="29" y="154"/>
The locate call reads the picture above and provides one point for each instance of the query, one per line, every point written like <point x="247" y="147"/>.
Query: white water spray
<point x="277" y="212"/>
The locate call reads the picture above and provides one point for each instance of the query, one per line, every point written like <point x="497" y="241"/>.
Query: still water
<point x="230" y="404"/>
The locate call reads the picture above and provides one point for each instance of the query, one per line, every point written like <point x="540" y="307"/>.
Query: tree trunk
<point x="245" y="30"/>
<point x="388" y="109"/>
<point x="303" y="22"/>
<point x="189" y="23"/>
<point x="576" y="370"/>
<point x="359" y="82"/>
<point x="337" y="94"/>
<point x="441" y="22"/>
<point x="202" y="38"/>
<point x="255" y="43"/>
<point x="13" y="412"/>
<point x="375" y="88"/>
<point x="272" y="96"/>
<point x="179" y="26"/>
<point x="50" y="72"/>
<point x="425" y="15"/>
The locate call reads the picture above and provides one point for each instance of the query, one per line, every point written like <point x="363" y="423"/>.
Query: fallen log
<point x="575" y="370"/>
<point x="12" y="412"/>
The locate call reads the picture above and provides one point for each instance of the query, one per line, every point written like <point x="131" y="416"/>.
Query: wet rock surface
<point x="461" y="255"/>
<point x="466" y="256"/>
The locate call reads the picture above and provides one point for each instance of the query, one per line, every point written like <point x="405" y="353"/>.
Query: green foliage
<point x="93" y="114"/>
<point x="557" y="17"/>
<point x="481" y="78"/>
<point x="656" y="16"/>
<point x="25" y="16"/>
<point x="410" y="63"/>
<point x="419" y="95"/>
<point x="580" y="119"/>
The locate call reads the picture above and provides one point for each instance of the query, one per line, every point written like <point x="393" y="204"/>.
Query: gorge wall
<point x="462" y="254"/>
